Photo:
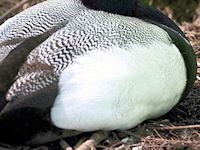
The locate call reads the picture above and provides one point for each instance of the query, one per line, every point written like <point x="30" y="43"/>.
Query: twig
<point x="155" y="143"/>
<point x="192" y="33"/>
<point x="172" y="141"/>
<point x="7" y="14"/>
<point x="115" y="144"/>
<point x="158" y="134"/>
<point x="41" y="148"/>
<point x="65" y="145"/>
<point x="179" y="127"/>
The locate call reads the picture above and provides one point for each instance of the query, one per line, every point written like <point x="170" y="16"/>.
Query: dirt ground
<point x="179" y="129"/>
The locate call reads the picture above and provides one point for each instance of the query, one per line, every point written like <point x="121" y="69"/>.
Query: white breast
<point x="118" y="89"/>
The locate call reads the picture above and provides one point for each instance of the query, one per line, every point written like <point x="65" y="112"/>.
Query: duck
<point x="75" y="66"/>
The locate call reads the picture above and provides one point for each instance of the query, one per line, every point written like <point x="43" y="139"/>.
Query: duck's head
<point x="122" y="7"/>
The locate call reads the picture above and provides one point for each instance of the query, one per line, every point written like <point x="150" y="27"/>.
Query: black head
<point x="121" y="7"/>
<point x="134" y="9"/>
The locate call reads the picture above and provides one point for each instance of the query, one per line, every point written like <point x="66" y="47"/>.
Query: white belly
<point x="118" y="89"/>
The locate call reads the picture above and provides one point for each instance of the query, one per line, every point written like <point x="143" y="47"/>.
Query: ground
<point x="179" y="129"/>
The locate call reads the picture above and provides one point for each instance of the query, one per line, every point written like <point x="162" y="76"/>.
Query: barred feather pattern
<point x="82" y="34"/>
<point x="40" y="76"/>
<point x="31" y="83"/>
<point x="88" y="31"/>
<point x="35" y="21"/>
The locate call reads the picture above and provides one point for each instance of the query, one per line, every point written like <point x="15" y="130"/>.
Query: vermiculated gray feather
<point x="35" y="21"/>
<point x="90" y="30"/>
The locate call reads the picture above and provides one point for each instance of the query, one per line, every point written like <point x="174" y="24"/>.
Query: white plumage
<point x="118" y="89"/>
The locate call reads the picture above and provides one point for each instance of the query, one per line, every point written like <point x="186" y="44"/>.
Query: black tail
<point x="23" y="118"/>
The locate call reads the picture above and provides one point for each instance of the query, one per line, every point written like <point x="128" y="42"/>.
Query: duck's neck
<point x="121" y="7"/>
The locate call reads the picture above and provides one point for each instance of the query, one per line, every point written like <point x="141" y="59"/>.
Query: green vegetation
<point x="146" y="2"/>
